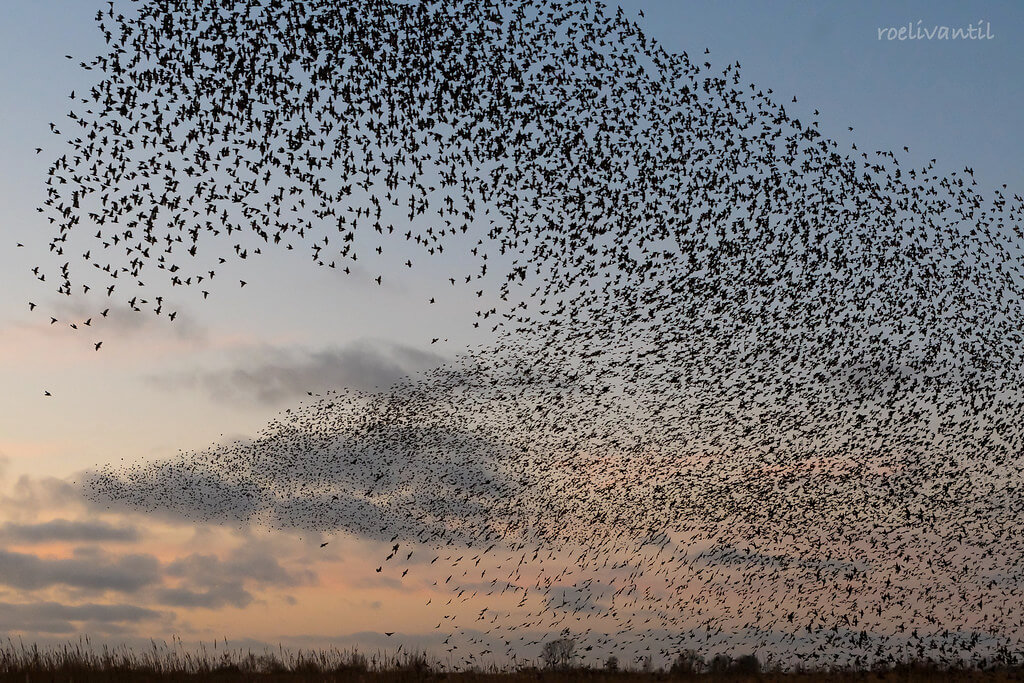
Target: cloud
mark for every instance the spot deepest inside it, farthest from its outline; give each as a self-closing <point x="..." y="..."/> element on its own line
<point x="88" y="571"/>
<point x="53" y="617"/>
<point x="431" y="479"/>
<point x="210" y="582"/>
<point x="68" y="531"/>
<point x="369" y="640"/>
<point x="270" y="375"/>
<point x="229" y="594"/>
<point x="125" y="322"/>
<point x="381" y="581"/>
<point x="242" y="563"/>
<point x="30" y="495"/>
<point x="577" y="600"/>
<point x="729" y="555"/>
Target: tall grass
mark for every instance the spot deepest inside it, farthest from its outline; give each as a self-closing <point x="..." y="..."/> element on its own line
<point x="80" y="662"/>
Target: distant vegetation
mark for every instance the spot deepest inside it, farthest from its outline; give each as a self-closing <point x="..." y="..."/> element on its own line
<point x="80" y="663"/>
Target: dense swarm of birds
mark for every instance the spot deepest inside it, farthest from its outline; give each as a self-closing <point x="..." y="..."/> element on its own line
<point x="747" y="387"/>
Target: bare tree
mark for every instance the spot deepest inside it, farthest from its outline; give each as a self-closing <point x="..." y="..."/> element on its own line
<point x="558" y="654"/>
<point x="687" y="663"/>
<point x="747" y="664"/>
<point x="720" y="663"/>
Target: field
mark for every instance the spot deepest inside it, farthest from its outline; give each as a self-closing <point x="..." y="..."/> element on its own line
<point x="80" y="663"/>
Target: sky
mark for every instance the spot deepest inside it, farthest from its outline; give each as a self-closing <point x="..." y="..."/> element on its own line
<point x="230" y="364"/>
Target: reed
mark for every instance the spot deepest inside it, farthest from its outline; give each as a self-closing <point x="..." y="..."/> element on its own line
<point x="80" y="662"/>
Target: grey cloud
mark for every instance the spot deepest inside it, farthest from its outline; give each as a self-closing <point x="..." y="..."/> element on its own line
<point x="731" y="555"/>
<point x="433" y="642"/>
<point x="272" y="375"/>
<point x="228" y="594"/>
<point x="577" y="600"/>
<point x="53" y="617"/>
<point x="382" y="581"/>
<point x="69" y="531"/>
<point x="127" y="573"/>
<point x="209" y="582"/>
<point x="29" y="495"/>
<point x="378" y="480"/>
<point x="255" y="561"/>
<point x="175" y="491"/>
<point x="243" y="563"/>
<point x="124" y="321"/>
<point x="369" y="640"/>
